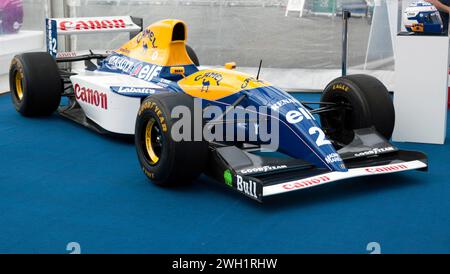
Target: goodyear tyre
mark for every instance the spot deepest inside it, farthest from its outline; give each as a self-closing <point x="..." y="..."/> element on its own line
<point x="190" y="51"/>
<point x="367" y="102"/>
<point x="165" y="159"/>
<point x="35" y="84"/>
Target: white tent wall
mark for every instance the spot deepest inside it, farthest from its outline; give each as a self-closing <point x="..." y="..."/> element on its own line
<point x="304" y="52"/>
<point x="298" y="53"/>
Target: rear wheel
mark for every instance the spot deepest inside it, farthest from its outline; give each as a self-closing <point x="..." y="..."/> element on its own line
<point x="364" y="101"/>
<point x="165" y="160"/>
<point x="35" y="84"/>
<point x="192" y="55"/>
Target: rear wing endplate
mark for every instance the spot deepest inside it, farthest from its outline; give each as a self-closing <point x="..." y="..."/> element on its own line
<point x="87" y="25"/>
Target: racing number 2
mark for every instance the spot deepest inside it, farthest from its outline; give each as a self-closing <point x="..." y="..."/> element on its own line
<point x="321" y="139"/>
<point x="52" y="44"/>
<point x="295" y="116"/>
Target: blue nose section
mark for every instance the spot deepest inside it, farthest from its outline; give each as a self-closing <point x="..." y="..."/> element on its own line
<point x="300" y="135"/>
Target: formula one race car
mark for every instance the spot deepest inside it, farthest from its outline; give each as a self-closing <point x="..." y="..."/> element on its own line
<point x="153" y="82"/>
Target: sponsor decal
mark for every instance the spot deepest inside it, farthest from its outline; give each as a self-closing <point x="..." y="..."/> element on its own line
<point x="335" y="176"/>
<point x="279" y="104"/>
<point x="248" y="188"/>
<point x="137" y="69"/>
<point x="147" y="72"/>
<point x="206" y="79"/>
<point x="341" y="87"/>
<point x="296" y="116"/>
<point x="384" y="169"/>
<point x="148" y="38"/>
<point x="205" y="85"/>
<point x="121" y="63"/>
<point x="163" y="85"/>
<point x="91" y="96"/>
<point x="261" y="169"/>
<point x="153" y="107"/>
<point x="374" y="151"/>
<point x="228" y="178"/>
<point x="248" y="80"/>
<point x="307" y="182"/>
<point x="162" y="80"/>
<point x="52" y="41"/>
<point x="124" y="50"/>
<point x="92" y="24"/>
<point x="151" y="175"/>
<point x="133" y="90"/>
<point x="333" y="158"/>
<point x="66" y="54"/>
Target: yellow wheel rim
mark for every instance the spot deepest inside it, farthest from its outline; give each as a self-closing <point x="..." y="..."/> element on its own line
<point x="150" y="141"/>
<point x="19" y="86"/>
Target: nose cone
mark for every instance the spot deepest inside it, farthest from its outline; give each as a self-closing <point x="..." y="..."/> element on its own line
<point x="300" y="135"/>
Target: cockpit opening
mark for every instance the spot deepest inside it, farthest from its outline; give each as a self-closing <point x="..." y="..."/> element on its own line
<point x="179" y="32"/>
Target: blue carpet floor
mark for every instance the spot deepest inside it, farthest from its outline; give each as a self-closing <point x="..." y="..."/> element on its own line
<point x="62" y="183"/>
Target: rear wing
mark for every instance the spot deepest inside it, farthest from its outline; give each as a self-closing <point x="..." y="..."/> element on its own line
<point x="86" y="25"/>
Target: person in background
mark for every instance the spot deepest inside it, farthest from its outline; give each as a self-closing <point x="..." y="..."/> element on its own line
<point x="444" y="7"/>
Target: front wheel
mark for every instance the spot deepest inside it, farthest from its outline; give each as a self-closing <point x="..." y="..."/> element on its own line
<point x="363" y="102"/>
<point x="165" y="159"/>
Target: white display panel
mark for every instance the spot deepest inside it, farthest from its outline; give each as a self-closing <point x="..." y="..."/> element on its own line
<point x="421" y="89"/>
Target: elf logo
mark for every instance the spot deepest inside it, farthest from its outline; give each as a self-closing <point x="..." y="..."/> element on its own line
<point x="296" y="116"/>
<point x="249" y="188"/>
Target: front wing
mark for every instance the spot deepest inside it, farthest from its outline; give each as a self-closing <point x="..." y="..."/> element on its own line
<point x="329" y="177"/>
<point x="258" y="176"/>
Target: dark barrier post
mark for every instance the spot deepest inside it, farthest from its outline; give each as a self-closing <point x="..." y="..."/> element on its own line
<point x="345" y="15"/>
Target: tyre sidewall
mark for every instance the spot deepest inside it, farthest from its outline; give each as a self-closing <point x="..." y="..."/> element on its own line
<point x="181" y="161"/>
<point x="370" y="100"/>
<point x="361" y="115"/>
<point x="17" y="67"/>
<point x="148" y="110"/>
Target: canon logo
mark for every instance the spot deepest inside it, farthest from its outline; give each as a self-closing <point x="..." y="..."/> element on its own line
<point x="92" y="24"/>
<point x="307" y="182"/>
<point x="91" y="96"/>
<point x="386" y="169"/>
